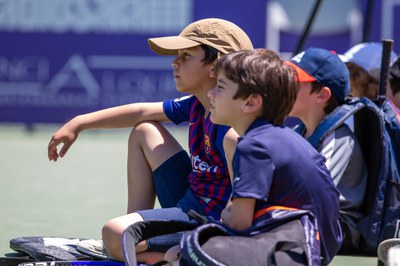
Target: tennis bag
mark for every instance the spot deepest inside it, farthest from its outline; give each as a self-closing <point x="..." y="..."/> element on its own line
<point x="289" y="237"/>
<point x="52" y="251"/>
<point x="49" y="248"/>
<point x="378" y="132"/>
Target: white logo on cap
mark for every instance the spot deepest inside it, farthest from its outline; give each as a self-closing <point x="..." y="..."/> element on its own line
<point x="298" y="57"/>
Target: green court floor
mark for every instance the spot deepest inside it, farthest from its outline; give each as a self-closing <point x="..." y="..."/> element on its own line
<point x="75" y="196"/>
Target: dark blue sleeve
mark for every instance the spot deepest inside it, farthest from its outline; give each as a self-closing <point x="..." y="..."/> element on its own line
<point x="178" y="110"/>
<point x="253" y="170"/>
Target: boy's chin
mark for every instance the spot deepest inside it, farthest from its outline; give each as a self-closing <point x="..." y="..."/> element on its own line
<point x="217" y="121"/>
<point x="213" y="118"/>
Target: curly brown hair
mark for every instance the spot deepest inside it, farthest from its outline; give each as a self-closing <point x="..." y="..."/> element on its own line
<point x="361" y="82"/>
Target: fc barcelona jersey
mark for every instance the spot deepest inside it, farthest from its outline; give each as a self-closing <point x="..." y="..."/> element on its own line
<point x="209" y="178"/>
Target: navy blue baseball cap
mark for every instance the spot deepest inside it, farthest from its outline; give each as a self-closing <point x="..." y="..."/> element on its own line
<point x="325" y="67"/>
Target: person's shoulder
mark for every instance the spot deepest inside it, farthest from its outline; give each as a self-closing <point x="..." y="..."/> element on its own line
<point x="265" y="135"/>
<point x="252" y="138"/>
<point x="344" y="131"/>
<point x="184" y="99"/>
<point x="342" y="143"/>
<point x="271" y="133"/>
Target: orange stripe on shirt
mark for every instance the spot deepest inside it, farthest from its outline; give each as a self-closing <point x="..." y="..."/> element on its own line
<point x="263" y="211"/>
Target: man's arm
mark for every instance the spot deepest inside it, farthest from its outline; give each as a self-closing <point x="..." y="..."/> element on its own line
<point x="239" y="214"/>
<point x="117" y="117"/>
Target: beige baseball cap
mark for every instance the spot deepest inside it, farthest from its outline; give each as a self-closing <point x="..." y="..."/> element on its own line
<point x="220" y="34"/>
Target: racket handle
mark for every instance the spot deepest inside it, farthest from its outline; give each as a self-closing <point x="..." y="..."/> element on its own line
<point x="387" y="45"/>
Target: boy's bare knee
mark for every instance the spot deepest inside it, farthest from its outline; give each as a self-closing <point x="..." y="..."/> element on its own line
<point x="112" y="240"/>
<point x="112" y="233"/>
<point x="144" y="127"/>
<point x="139" y="133"/>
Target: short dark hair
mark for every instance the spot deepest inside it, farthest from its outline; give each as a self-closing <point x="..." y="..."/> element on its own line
<point x="263" y="72"/>
<point x="210" y="54"/>
<point x="333" y="101"/>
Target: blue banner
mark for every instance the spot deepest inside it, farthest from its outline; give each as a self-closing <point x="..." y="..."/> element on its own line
<point x="61" y="58"/>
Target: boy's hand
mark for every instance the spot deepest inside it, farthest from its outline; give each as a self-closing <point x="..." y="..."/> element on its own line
<point x="239" y="215"/>
<point x="66" y="135"/>
<point x="226" y="213"/>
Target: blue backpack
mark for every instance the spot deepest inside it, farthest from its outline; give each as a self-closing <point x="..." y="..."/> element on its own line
<point x="378" y="132"/>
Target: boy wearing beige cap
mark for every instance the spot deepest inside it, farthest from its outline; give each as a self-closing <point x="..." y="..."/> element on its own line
<point x="157" y="164"/>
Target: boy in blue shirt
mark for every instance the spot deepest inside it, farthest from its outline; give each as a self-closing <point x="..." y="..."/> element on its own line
<point x="274" y="168"/>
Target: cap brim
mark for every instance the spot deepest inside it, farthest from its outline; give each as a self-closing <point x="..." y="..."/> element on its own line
<point x="170" y="45"/>
<point x="344" y="58"/>
<point x="301" y="74"/>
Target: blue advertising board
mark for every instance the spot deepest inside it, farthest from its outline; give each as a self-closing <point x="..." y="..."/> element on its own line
<point x="61" y="58"/>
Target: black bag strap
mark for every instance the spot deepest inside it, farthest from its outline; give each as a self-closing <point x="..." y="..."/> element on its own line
<point x="334" y="120"/>
<point x="147" y="229"/>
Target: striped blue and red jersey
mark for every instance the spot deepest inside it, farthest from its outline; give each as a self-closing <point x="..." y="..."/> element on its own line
<point x="209" y="179"/>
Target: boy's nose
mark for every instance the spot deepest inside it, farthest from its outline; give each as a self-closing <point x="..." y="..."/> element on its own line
<point x="174" y="63"/>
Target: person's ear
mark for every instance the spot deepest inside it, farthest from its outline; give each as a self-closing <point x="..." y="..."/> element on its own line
<point x="253" y="103"/>
<point x="324" y="95"/>
<point x="212" y="72"/>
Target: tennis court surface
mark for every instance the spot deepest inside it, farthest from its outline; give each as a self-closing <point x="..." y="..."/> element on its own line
<point x="75" y="196"/>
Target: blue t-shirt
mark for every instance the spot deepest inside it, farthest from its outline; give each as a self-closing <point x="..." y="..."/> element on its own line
<point x="209" y="178"/>
<point x="278" y="167"/>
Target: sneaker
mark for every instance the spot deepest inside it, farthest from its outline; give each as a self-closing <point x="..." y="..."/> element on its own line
<point x="384" y="247"/>
<point x="93" y="248"/>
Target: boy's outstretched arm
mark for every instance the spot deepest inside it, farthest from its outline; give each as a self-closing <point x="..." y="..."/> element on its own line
<point x="239" y="214"/>
<point x="117" y="117"/>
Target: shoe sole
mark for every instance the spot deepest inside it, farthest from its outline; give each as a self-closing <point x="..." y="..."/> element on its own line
<point x="93" y="254"/>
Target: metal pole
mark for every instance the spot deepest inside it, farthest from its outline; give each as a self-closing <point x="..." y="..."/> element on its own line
<point x="367" y="20"/>
<point x="307" y="29"/>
